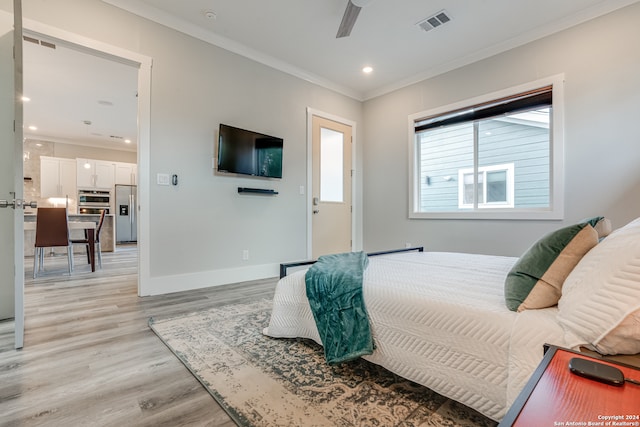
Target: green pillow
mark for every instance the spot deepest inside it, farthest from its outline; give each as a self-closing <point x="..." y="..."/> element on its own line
<point x="535" y="281"/>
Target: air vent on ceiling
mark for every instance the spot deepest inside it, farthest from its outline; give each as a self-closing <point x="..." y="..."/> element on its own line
<point x="47" y="44"/>
<point x="434" y="21"/>
<point x="31" y="39"/>
<point x="40" y="42"/>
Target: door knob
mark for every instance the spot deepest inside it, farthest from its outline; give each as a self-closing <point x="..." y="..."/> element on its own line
<point x="17" y="204"/>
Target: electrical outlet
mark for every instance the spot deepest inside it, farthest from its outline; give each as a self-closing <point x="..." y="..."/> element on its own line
<point x="245" y="254"/>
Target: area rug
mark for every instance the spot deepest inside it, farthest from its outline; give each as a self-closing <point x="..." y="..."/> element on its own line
<point x="262" y="381"/>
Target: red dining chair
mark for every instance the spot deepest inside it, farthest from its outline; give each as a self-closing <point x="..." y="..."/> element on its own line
<point x="52" y="230"/>
<point x="85" y="241"/>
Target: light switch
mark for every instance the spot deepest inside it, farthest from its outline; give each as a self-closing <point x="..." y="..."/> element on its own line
<point x="163" y="179"/>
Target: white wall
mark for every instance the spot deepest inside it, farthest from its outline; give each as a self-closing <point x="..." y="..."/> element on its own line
<point x="199" y="229"/>
<point x="72" y="151"/>
<point x="601" y="63"/>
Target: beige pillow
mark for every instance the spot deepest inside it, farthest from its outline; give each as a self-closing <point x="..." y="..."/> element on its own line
<point x="603" y="227"/>
<point x="600" y="303"/>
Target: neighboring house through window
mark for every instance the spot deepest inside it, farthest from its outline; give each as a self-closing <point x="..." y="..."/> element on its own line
<point x="498" y="156"/>
<point x="495" y="187"/>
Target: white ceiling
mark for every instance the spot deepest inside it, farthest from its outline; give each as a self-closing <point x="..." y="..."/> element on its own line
<point x="79" y="97"/>
<point x="298" y="37"/>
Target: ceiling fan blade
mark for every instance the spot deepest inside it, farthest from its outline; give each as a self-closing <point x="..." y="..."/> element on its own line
<point x="348" y="20"/>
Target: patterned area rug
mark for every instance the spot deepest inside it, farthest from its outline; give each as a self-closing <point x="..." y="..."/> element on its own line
<point x="261" y="381"/>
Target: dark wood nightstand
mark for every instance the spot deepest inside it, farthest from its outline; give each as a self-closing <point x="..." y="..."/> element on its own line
<point x="556" y="397"/>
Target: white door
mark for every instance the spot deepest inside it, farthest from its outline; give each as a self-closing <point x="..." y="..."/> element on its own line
<point x="11" y="181"/>
<point x="331" y="187"/>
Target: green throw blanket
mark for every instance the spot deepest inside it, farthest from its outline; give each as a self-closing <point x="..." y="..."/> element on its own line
<point x="334" y="290"/>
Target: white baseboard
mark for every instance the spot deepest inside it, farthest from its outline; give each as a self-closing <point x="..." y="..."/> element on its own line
<point x="204" y="279"/>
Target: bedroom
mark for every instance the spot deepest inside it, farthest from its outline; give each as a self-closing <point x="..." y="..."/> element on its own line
<point x="600" y="145"/>
<point x="601" y="176"/>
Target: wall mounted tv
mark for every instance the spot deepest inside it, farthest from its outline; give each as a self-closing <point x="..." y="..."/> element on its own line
<point x="249" y="153"/>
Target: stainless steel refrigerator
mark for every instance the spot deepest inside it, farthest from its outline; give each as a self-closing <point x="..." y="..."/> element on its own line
<point x="126" y="218"/>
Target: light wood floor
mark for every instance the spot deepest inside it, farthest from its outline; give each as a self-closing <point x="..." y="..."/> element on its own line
<point x="89" y="358"/>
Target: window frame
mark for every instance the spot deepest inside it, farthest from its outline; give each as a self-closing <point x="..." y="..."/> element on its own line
<point x="507" y="204"/>
<point x="555" y="210"/>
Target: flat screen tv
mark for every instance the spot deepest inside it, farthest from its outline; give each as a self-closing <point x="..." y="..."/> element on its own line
<point x="245" y="152"/>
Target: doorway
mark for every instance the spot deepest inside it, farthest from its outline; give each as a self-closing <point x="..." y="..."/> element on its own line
<point x="331" y="186"/>
<point x="141" y="111"/>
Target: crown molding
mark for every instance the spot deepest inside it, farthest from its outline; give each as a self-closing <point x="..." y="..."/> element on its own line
<point x="161" y="17"/>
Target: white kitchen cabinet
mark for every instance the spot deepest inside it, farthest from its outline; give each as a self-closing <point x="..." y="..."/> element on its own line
<point x="126" y="174"/>
<point x="57" y="177"/>
<point x="95" y="174"/>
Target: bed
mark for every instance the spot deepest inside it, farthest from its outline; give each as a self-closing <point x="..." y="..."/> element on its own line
<point x="440" y="319"/>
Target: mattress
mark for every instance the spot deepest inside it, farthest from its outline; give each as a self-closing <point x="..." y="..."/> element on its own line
<point x="439" y="319"/>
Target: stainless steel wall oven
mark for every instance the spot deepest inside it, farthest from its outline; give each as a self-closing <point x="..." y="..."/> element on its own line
<point x="93" y="201"/>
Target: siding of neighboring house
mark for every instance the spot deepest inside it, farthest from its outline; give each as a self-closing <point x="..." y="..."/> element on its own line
<point x="445" y="151"/>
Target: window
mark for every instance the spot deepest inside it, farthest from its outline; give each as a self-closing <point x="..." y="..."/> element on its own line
<point x="494" y="190"/>
<point x="331" y="165"/>
<point x="497" y="156"/>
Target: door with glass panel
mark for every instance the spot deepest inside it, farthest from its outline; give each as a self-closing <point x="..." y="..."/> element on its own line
<point x="331" y="187"/>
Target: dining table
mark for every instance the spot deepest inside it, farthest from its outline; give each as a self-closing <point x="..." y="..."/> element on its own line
<point x="88" y="226"/>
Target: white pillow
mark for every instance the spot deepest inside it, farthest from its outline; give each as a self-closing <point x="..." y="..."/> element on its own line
<point x="601" y="294"/>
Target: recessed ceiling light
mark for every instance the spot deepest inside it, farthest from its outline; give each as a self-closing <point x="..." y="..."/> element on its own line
<point x="25" y="99"/>
<point x="32" y="127"/>
<point x="128" y="141"/>
<point x="367" y="69"/>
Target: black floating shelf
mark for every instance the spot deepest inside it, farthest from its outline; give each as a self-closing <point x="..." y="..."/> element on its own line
<point x="257" y="191"/>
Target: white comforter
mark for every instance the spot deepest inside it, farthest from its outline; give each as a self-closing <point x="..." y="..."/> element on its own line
<point x="439" y="319"/>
